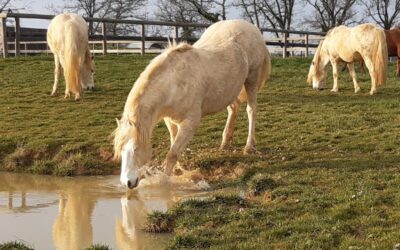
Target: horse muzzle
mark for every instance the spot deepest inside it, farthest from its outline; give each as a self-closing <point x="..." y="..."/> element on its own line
<point x="131" y="184"/>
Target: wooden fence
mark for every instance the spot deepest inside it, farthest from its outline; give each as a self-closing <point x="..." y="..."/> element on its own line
<point x="16" y="40"/>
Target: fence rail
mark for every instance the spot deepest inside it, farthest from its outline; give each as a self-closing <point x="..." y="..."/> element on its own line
<point x="11" y="43"/>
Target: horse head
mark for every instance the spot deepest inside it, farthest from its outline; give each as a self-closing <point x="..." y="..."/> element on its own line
<point x="317" y="73"/>
<point x="87" y="71"/>
<point x="134" y="150"/>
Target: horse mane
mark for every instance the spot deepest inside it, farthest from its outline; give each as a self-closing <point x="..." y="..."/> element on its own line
<point x="131" y="126"/>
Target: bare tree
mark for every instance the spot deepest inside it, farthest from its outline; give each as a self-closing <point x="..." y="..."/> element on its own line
<point x="277" y="13"/>
<point x="179" y="11"/>
<point x="124" y="9"/>
<point x="212" y="10"/>
<point x="330" y="13"/>
<point x="250" y="11"/>
<point x="4" y="4"/>
<point x="384" y="12"/>
<point x="87" y="8"/>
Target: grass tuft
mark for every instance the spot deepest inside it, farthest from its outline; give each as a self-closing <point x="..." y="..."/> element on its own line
<point x="260" y="183"/>
<point x="159" y="222"/>
<point x="99" y="247"/>
<point x="14" y="245"/>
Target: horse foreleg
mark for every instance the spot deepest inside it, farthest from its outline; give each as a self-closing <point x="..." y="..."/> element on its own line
<point x="57" y="74"/>
<point x="186" y="130"/>
<point x="172" y="128"/>
<point x="353" y="76"/>
<point x="227" y="135"/>
<point x="335" y="76"/>
<point x="371" y="70"/>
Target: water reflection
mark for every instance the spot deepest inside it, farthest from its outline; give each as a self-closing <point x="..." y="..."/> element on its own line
<point x="73" y="226"/>
<point x="74" y="213"/>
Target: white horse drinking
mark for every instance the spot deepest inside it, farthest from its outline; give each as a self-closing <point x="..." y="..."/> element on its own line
<point x="227" y="66"/>
<point x="67" y="37"/>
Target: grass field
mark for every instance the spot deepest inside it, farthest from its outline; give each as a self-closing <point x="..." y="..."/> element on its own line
<point x="325" y="175"/>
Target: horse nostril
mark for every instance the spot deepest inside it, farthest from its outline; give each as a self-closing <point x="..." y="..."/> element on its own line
<point x="132" y="184"/>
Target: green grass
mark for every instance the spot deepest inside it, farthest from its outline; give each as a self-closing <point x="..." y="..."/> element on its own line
<point x="14" y="245"/>
<point x="331" y="161"/>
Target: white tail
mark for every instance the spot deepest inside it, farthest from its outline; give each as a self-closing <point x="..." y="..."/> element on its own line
<point x="72" y="61"/>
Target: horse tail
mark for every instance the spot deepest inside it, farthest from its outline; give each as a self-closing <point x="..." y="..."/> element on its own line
<point x="266" y="69"/>
<point x="72" y="60"/>
<point x="380" y="59"/>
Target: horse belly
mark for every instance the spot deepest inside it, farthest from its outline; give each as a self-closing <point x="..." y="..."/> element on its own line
<point x="220" y="98"/>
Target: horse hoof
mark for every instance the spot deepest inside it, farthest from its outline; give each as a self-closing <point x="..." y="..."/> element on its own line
<point x="334" y="90"/>
<point x="223" y="147"/>
<point x="356" y="91"/>
<point x="249" y="150"/>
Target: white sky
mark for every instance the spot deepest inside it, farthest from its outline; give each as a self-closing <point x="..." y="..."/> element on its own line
<point x="41" y="7"/>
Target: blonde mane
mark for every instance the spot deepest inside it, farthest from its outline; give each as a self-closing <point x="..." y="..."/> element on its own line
<point x="131" y="126"/>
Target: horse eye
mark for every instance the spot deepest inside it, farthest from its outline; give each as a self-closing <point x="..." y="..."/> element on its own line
<point x="313" y="63"/>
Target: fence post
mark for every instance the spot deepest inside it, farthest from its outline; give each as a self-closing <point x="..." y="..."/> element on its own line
<point x="176" y="30"/>
<point x="3" y="34"/>
<point x="17" y="36"/>
<point x="307" y="49"/>
<point x="104" y="33"/>
<point x="143" y="41"/>
<point x="284" y="44"/>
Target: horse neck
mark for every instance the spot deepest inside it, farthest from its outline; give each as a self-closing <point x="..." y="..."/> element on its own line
<point x="144" y="121"/>
<point x="322" y="54"/>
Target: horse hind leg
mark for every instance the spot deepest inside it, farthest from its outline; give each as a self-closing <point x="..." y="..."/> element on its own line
<point x="57" y="74"/>
<point x="227" y="135"/>
<point x="251" y="108"/>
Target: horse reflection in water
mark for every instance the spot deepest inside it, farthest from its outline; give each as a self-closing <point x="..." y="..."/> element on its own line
<point x="73" y="227"/>
<point x="129" y="229"/>
<point x="80" y="202"/>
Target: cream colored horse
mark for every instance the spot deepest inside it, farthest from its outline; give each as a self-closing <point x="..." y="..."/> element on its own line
<point x="342" y="44"/>
<point x="67" y="37"/>
<point x="227" y="66"/>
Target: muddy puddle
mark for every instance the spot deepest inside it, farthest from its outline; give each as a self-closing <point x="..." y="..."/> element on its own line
<point x="73" y="213"/>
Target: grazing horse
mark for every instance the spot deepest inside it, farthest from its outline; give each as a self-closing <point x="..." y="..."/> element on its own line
<point x="393" y="45"/>
<point x="227" y="66"/>
<point x="67" y="37"/>
<point x="343" y="44"/>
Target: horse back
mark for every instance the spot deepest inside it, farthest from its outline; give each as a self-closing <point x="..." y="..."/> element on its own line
<point x="243" y="33"/>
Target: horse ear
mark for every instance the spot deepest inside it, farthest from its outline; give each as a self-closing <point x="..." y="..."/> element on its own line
<point x="118" y="122"/>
